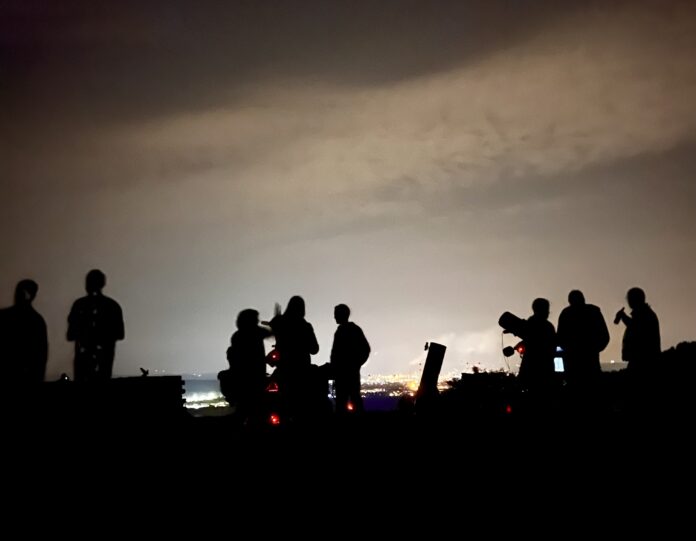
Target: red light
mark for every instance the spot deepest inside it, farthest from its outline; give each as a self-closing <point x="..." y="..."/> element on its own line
<point x="272" y="387"/>
<point x="274" y="419"/>
<point x="508" y="409"/>
<point x="520" y="349"/>
<point x="349" y="406"/>
<point x="273" y="357"/>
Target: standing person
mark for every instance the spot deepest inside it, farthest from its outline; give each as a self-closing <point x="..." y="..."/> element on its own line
<point x="247" y="358"/>
<point x="537" y="367"/>
<point x="641" y="341"/>
<point x="583" y="334"/>
<point x="349" y="352"/>
<point x="641" y="346"/>
<point x="95" y="324"/>
<point x="295" y="344"/>
<point x="23" y="338"/>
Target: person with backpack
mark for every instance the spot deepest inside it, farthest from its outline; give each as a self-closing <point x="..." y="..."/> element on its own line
<point x="349" y="353"/>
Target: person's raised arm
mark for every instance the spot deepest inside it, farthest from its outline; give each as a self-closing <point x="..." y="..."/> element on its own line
<point x="621" y="315"/>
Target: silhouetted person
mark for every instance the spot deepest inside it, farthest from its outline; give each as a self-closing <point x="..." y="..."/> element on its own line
<point x="641" y="340"/>
<point x="23" y="338"/>
<point x="641" y="346"/>
<point x="583" y="334"/>
<point x="349" y="352"/>
<point x="247" y="358"/>
<point x="95" y="324"/>
<point x="295" y="342"/>
<point x="537" y="367"/>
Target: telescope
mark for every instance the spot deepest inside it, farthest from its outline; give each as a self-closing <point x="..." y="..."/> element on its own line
<point x="512" y="324"/>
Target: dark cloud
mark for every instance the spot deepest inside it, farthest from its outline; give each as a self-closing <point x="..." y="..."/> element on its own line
<point x="139" y="59"/>
<point x="629" y="183"/>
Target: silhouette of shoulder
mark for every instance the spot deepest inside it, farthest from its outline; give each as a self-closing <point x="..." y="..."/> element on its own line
<point x="350" y="330"/>
<point x="350" y="344"/>
<point x="312" y="342"/>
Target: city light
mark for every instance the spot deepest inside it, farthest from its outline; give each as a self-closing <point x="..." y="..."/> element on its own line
<point x="373" y="385"/>
<point x="210" y="399"/>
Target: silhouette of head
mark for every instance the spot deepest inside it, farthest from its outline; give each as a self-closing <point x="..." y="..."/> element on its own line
<point x="95" y="281"/>
<point x="635" y="297"/>
<point x="541" y="308"/>
<point x="341" y="313"/>
<point x="247" y="319"/>
<point x="576" y="298"/>
<point x="25" y="292"/>
<point x="296" y="307"/>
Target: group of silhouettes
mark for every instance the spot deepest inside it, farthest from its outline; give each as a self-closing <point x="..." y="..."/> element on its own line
<point x="295" y="342"/>
<point x="581" y="335"/>
<point x="95" y="324"/>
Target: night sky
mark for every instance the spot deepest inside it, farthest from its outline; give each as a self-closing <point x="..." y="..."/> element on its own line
<point x="431" y="164"/>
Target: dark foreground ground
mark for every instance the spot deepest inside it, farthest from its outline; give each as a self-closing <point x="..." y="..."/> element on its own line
<point x="384" y="474"/>
<point x="444" y="441"/>
<point x="465" y="462"/>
